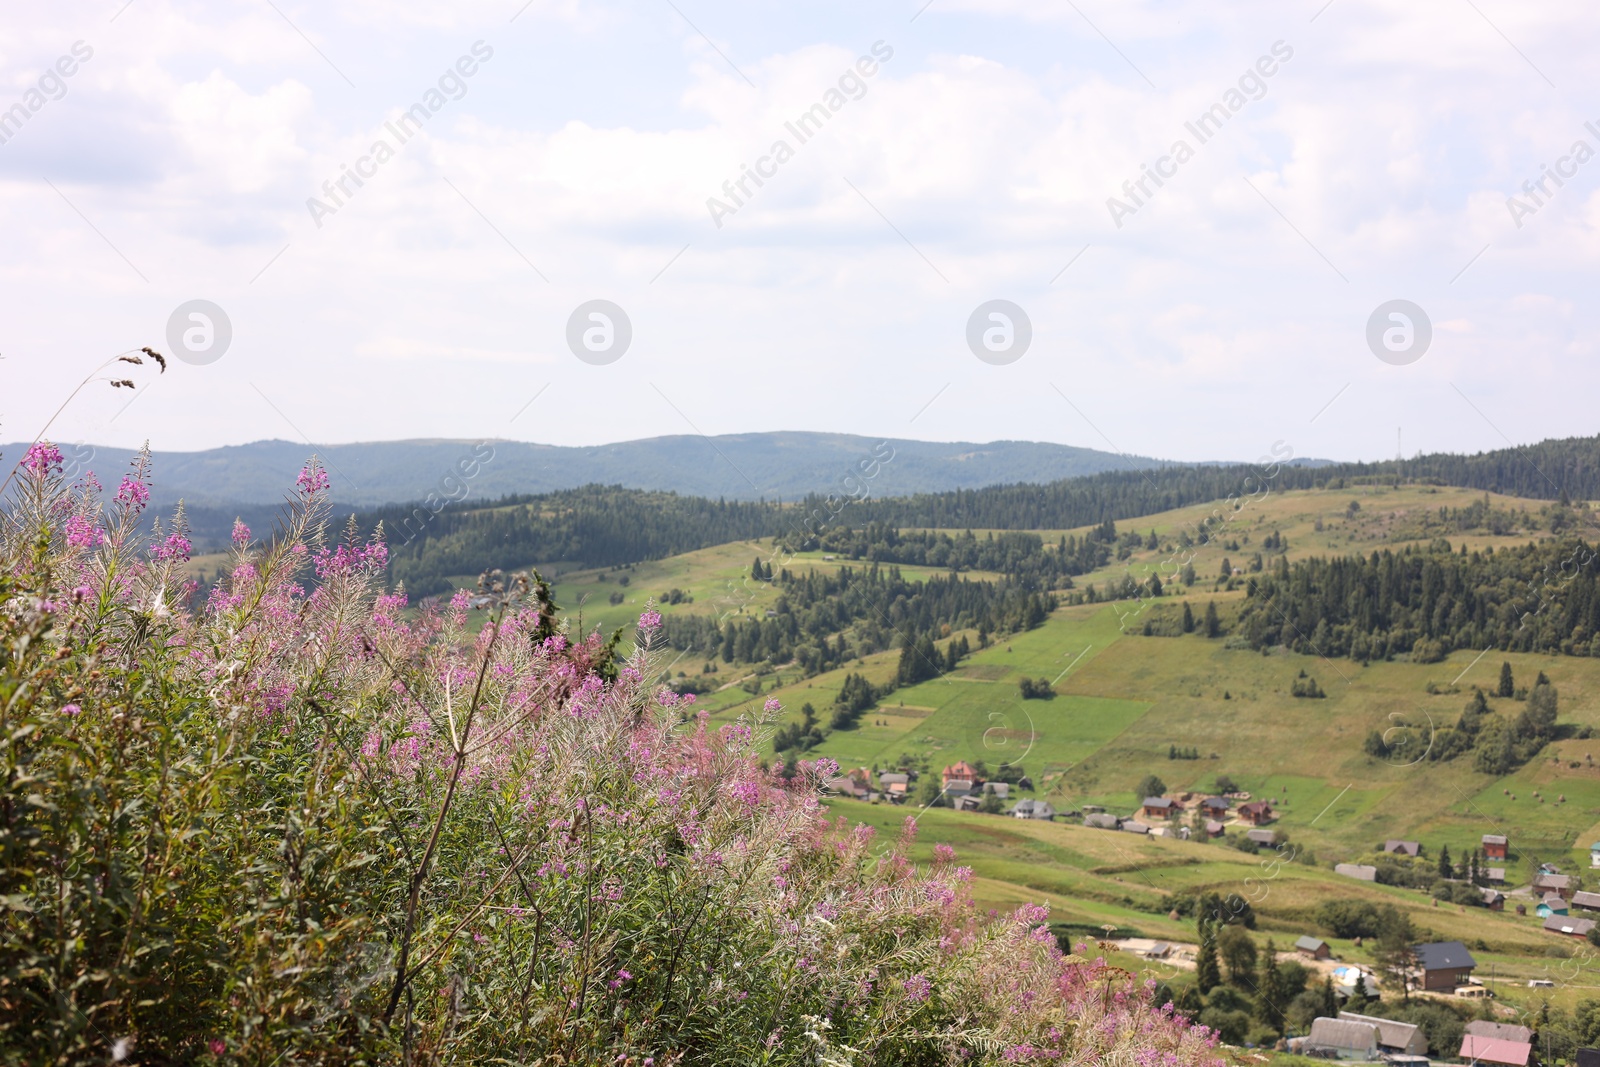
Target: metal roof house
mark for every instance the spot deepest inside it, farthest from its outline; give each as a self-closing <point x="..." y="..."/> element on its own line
<point x="1495" y="846"/>
<point x="1345" y="1039"/>
<point x="1563" y="924"/>
<point x="1363" y="871"/>
<point x="1499" y="1031"/>
<point x="1444" y="965"/>
<point x="1476" y="1049"/>
<point x="1403" y="848"/>
<point x="1552" y="904"/>
<point x="1159" y="808"/>
<point x="1033" y="809"/>
<point x="1586" y="901"/>
<point x="1314" y="947"/>
<point x="1394" y="1037"/>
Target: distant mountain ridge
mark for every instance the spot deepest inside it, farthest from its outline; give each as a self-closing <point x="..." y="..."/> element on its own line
<point x="786" y="464"/>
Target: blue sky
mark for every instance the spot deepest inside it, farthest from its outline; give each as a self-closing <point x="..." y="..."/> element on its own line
<point x="1229" y="311"/>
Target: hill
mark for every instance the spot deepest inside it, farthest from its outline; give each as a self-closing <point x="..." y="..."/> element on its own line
<point x="750" y="466"/>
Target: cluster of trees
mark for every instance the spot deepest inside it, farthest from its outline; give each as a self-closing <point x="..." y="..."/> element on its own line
<point x="1497" y="743"/>
<point x="807" y="624"/>
<point x="1429" y="601"/>
<point x="1022" y="557"/>
<point x="1174" y="752"/>
<point x="856" y="696"/>
<point x="799" y="736"/>
<point x="1307" y="687"/>
<point x="597" y="525"/>
<point x="920" y="658"/>
<point x="1036" y="689"/>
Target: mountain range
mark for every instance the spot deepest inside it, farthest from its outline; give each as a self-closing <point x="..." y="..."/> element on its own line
<point x="782" y="464"/>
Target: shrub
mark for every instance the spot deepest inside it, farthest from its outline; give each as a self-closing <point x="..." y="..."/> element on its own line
<point x="296" y="824"/>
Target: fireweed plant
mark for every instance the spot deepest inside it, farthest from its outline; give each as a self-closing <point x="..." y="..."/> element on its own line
<point x="297" y="823"/>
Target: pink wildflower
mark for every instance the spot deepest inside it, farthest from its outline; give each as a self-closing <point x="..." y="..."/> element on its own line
<point x="918" y="987"/>
<point x="71" y="709"/>
<point x="241" y="534"/>
<point x="42" y="458"/>
<point x="772" y="705"/>
<point x="81" y="533"/>
<point x="313" y="479"/>
<point x="133" y="493"/>
<point x="650" y="620"/>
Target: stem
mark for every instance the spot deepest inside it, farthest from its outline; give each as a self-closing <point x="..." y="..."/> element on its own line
<point x="401" y="979"/>
<point x="87" y="379"/>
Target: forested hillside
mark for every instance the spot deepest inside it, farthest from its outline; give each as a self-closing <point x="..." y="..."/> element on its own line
<point x="603" y="526"/>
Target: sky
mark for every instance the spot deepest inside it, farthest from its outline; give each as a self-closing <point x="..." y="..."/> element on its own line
<point x="1315" y="163"/>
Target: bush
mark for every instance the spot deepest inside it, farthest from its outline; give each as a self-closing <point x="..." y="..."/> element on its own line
<point x="295" y="825"/>
<point x="1348" y="918"/>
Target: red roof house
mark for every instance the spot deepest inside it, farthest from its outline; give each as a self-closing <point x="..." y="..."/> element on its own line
<point x="1476" y="1049"/>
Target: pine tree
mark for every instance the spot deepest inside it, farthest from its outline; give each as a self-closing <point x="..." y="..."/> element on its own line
<point x="1188" y="618"/>
<point x="1213" y="623"/>
<point x="1444" y="861"/>
<point x="1358" y="995"/>
<point x="1508" y="684"/>
<point x="1270" y="992"/>
<point x="1472" y="869"/>
<point x="1330" y="1000"/>
<point x="1208" y="971"/>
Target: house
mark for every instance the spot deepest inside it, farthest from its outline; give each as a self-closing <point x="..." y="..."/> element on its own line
<point x="1163" y="831"/>
<point x="846" y="786"/>
<point x="1546" y="883"/>
<point x="897" y="791"/>
<point x="893" y="778"/>
<point x="999" y="789"/>
<point x="1586" y="901"/>
<point x="961" y="771"/>
<point x="1589" y="1057"/>
<point x="1159" y="808"/>
<point x="1493" y="899"/>
<point x="1552" y="904"/>
<point x="1344" y="1038"/>
<point x="1033" y="809"/>
<point x="1214" y="828"/>
<point x="1134" y="826"/>
<point x="1499" y="1031"/>
<point x="1217" y="807"/>
<point x="1314" y="947"/>
<point x="1365" y="872"/>
<point x="1158" y="951"/>
<point x="1495" y="846"/>
<point x="1102" y="821"/>
<point x="1594" y="854"/>
<point x="1476" y="1049"/>
<point x="1403" y="848"/>
<point x="1495" y="875"/>
<point x="967" y="803"/>
<point x="1444" y="965"/>
<point x="1562" y="924"/>
<point x="1257" y="812"/>
<point x="1261" y="837"/>
<point x="1394" y="1038"/>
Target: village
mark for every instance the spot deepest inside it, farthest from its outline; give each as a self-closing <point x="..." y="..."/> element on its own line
<point x="1441" y="969"/>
